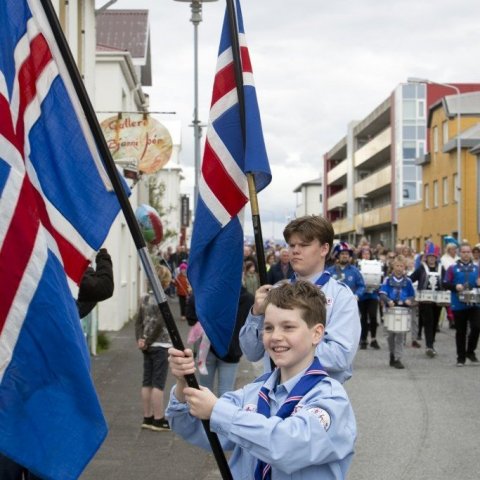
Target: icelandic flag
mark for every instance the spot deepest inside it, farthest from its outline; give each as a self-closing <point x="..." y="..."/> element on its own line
<point x="216" y="254"/>
<point x="57" y="207"/>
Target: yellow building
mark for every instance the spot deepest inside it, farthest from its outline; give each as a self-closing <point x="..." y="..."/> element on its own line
<point x="436" y="215"/>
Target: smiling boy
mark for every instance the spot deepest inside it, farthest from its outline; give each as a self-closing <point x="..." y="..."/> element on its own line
<point x="295" y="422"/>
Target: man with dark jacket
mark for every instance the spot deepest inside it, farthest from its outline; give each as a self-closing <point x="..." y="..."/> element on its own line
<point x="282" y="270"/>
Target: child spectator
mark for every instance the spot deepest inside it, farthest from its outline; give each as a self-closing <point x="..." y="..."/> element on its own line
<point x="183" y="288"/>
<point x="272" y="423"/>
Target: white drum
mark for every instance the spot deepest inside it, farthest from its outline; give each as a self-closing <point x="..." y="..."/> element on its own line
<point x="443" y="297"/>
<point x="397" y="319"/>
<point x="425" y="296"/>
<point x="472" y="297"/>
<point x="371" y="271"/>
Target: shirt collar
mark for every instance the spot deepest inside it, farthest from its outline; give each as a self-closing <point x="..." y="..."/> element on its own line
<point x="288" y="385"/>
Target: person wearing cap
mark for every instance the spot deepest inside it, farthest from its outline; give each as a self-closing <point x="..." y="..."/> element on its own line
<point x="429" y="275"/>
<point x="183" y="288"/>
<point x="462" y="276"/>
<point x="344" y="271"/>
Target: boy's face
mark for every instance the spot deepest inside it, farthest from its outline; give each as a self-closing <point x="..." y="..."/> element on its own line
<point x="306" y="258"/>
<point x="465" y="254"/>
<point x="289" y="341"/>
<point x="398" y="269"/>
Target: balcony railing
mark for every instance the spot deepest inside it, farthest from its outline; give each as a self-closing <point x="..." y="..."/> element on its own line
<point x="374" y="217"/>
<point x="373" y="182"/>
<point x="337" y="172"/>
<point x="337" y="200"/>
<point x="374" y="146"/>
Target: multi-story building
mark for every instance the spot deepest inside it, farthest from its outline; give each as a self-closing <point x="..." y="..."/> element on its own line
<point x="309" y="198"/>
<point x="371" y="172"/>
<point x="437" y="214"/>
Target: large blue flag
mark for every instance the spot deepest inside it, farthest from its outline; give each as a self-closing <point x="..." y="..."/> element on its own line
<point x="216" y="255"/>
<point x="56" y="207"/>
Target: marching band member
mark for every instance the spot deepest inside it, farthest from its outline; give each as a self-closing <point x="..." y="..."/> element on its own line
<point x="429" y="276"/>
<point x="343" y="271"/>
<point x="397" y="290"/>
<point x="462" y="276"/>
<point x="368" y="306"/>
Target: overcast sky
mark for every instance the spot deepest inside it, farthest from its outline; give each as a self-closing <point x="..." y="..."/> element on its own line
<point x="317" y="66"/>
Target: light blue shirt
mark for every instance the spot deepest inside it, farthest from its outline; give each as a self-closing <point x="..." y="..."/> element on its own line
<point x="316" y="442"/>
<point x="338" y="347"/>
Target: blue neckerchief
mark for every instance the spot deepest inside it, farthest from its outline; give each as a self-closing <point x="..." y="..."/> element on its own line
<point x="320" y="282"/>
<point x="397" y="286"/>
<point x="314" y="374"/>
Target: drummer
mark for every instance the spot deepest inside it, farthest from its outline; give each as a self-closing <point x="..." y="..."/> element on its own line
<point x="397" y="290"/>
<point x="345" y="272"/>
<point x="463" y="275"/>
<point x="368" y="306"/>
<point x="429" y="275"/>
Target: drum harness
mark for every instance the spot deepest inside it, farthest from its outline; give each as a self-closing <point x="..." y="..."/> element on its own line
<point x="397" y="287"/>
<point x="432" y="279"/>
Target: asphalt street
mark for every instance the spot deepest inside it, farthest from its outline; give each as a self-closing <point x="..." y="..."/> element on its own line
<point x="419" y="423"/>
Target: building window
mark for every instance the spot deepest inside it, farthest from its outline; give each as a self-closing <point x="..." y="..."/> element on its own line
<point x="426" y="195"/>
<point x="409" y="150"/>
<point x="445" y="190"/>
<point x="435" y="139"/>
<point x="455" y="187"/>
<point x="421" y="108"/>
<point x="421" y="149"/>
<point x="435" y="193"/>
<point x="445" y="132"/>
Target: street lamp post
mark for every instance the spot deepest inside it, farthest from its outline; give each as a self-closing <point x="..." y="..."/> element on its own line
<point x="196" y="18"/>
<point x="459" y="148"/>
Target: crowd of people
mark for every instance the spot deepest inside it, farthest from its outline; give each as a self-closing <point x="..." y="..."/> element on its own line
<point x="304" y="340"/>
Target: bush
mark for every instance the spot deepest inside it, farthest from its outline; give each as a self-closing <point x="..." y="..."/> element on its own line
<point x="103" y="342"/>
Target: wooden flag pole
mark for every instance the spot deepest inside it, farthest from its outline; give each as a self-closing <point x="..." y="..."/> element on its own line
<point x="132" y="223"/>
<point x="237" y="63"/>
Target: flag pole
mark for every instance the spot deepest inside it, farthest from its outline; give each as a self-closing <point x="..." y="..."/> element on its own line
<point x="237" y="63"/>
<point x="132" y="223"/>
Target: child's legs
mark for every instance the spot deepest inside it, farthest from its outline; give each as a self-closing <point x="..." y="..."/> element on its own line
<point x="460" y="317"/>
<point x="227" y="373"/>
<point x="211" y="364"/>
<point x="160" y="370"/>
<point x="427" y="313"/>
<point x="146" y="391"/>
<point x="183" y="303"/>
<point x="395" y="344"/>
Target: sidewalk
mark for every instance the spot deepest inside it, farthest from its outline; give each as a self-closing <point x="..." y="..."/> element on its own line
<point x="420" y="423"/>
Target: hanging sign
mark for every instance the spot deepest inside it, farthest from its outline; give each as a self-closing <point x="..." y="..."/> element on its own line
<point x="138" y="137"/>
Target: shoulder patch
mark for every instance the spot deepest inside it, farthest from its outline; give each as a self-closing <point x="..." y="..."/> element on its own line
<point x="322" y="416"/>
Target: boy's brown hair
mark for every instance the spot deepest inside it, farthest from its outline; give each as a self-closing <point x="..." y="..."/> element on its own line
<point x="302" y="295"/>
<point x="309" y="228"/>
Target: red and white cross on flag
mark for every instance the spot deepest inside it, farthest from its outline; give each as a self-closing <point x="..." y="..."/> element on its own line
<point x="56" y="207"/>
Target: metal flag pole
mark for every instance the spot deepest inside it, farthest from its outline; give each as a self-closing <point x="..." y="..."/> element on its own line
<point x="132" y="223"/>
<point x="237" y="63"/>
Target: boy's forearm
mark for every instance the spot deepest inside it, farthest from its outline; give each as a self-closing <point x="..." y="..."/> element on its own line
<point x="179" y="387"/>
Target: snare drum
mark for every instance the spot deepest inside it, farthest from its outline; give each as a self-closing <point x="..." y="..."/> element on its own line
<point x="425" y="296"/>
<point x="443" y="297"/>
<point x="472" y="297"/>
<point x="397" y="319"/>
<point x="371" y="271"/>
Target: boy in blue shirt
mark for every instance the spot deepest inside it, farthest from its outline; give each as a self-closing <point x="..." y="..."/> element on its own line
<point x="310" y="240"/>
<point x="295" y="422"/>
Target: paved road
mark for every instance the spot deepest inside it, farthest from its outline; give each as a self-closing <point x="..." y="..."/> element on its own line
<point x="419" y="423"/>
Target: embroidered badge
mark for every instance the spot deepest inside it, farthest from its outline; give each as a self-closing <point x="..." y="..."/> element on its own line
<point x="322" y="415"/>
<point x="329" y="300"/>
<point x="250" y="407"/>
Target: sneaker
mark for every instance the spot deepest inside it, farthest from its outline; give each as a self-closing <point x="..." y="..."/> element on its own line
<point x="398" y="364"/>
<point x="160" y="425"/>
<point x="429" y="352"/>
<point x="374" y="344"/>
<point x="147" y="422"/>
<point x="473" y="358"/>
<point x="363" y="345"/>
<point x="460" y="364"/>
<point x="415" y="344"/>
<point x="392" y="360"/>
